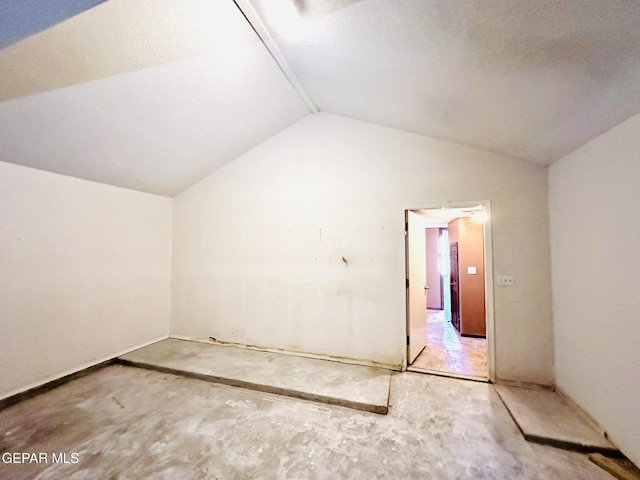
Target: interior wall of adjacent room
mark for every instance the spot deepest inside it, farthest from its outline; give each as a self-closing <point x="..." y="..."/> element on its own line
<point x="471" y="286"/>
<point x="299" y="243"/>
<point x="84" y="273"/>
<point x="434" y="281"/>
<point x="595" y="233"/>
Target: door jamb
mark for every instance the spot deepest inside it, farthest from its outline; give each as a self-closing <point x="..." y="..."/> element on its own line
<point x="488" y="278"/>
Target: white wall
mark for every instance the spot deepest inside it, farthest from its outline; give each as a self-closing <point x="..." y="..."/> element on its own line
<point x="258" y="245"/>
<point x="434" y="280"/>
<point x="594" y="203"/>
<point x="84" y="274"/>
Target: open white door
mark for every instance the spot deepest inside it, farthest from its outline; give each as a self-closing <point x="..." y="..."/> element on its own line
<point x="416" y="291"/>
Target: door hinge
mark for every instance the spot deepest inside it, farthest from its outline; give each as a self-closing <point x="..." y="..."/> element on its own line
<point x="407" y="283"/>
<point x="407" y="339"/>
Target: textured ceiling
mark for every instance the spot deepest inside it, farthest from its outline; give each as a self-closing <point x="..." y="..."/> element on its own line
<point x="530" y="79"/>
<point x="151" y="99"/>
<point x="440" y="217"/>
<point x="120" y="36"/>
<point x="154" y="99"/>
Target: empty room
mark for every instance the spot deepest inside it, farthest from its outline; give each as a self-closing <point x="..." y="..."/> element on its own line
<point x="236" y="239"/>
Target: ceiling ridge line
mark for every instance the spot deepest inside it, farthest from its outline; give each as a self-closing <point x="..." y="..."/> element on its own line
<point x="248" y="12"/>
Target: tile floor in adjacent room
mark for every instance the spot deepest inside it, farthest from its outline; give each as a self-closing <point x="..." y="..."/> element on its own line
<point x="448" y="351"/>
<point x="123" y="422"/>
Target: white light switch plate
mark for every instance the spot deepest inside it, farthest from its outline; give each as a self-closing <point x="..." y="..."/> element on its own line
<point x="471" y="270"/>
<point x="505" y="280"/>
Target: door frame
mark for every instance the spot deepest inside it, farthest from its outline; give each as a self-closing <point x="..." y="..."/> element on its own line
<point x="415" y="348"/>
<point x="454" y="300"/>
<point x="440" y="230"/>
<point x="488" y="277"/>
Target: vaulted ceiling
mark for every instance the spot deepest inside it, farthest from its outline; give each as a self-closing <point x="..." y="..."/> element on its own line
<point x="155" y="98"/>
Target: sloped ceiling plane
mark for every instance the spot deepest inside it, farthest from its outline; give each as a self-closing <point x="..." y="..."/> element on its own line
<point x="155" y="97"/>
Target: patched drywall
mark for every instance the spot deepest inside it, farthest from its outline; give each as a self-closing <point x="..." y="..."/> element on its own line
<point x="27" y="17"/>
<point x="594" y="209"/>
<point x="117" y="37"/>
<point x="84" y="274"/>
<point x="299" y="244"/>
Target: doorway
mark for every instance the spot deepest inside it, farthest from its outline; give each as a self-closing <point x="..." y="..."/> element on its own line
<point x="449" y="311"/>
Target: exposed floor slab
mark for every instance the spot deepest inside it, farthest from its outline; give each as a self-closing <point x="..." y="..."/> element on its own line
<point x="123" y="422"/>
<point x="544" y="417"/>
<point x="354" y="386"/>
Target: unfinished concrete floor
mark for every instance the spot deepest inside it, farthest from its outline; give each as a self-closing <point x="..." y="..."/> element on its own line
<point x="125" y="422"/>
<point x="354" y="386"/>
<point x="544" y="417"/>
